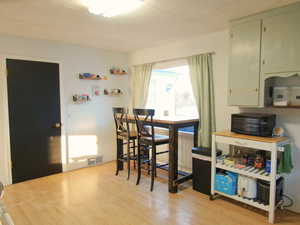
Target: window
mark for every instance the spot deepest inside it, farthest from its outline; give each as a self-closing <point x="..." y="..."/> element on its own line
<point x="170" y="92"/>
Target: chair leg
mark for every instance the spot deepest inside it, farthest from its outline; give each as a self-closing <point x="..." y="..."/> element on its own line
<point x="153" y="167"/>
<point x="128" y="158"/>
<point x="134" y="154"/>
<point x="138" y="164"/>
<point x="117" y="171"/>
<point x="148" y="157"/>
<point x="117" y="162"/>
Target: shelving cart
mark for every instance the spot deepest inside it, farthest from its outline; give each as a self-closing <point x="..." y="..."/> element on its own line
<point x="272" y="145"/>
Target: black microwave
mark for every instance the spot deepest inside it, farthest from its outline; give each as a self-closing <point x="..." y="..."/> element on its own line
<point x="255" y="124"/>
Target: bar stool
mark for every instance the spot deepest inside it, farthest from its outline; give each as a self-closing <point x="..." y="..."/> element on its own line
<point x="147" y="142"/>
<point x="123" y="132"/>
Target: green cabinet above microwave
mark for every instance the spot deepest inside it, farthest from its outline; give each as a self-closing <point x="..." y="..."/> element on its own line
<point x="244" y="66"/>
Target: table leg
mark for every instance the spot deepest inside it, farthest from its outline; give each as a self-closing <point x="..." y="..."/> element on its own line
<point x="213" y="166"/>
<point x="196" y="127"/>
<point x="173" y="158"/>
<point x="272" y="200"/>
<point x="119" y="154"/>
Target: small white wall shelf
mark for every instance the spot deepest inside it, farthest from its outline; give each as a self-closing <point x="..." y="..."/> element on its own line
<point x="90" y="76"/>
<point x="118" y="71"/>
<point x="113" y="92"/>
<point x="81" y="98"/>
<point x="280" y="80"/>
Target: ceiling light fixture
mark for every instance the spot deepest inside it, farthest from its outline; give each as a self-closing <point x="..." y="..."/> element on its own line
<point x="110" y="8"/>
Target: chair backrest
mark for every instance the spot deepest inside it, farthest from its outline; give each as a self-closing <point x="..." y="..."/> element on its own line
<point x="121" y="120"/>
<point x="144" y="122"/>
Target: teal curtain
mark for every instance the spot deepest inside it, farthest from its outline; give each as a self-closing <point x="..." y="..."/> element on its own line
<point x="201" y="74"/>
<point x="140" y="81"/>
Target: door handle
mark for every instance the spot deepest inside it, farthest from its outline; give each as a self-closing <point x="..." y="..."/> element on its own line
<point x="57" y="125"/>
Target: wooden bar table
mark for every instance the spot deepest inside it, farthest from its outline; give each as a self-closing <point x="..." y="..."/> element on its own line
<point x="173" y="124"/>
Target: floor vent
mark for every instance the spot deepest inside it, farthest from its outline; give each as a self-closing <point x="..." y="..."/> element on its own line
<point x="95" y="160"/>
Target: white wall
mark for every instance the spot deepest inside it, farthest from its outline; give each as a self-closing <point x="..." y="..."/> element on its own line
<point x="94" y="118"/>
<point x="219" y="43"/>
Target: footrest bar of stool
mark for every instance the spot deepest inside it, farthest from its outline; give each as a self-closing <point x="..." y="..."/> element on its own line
<point x="146" y="161"/>
<point x="183" y="179"/>
<point x="163" y="152"/>
<point x="161" y="165"/>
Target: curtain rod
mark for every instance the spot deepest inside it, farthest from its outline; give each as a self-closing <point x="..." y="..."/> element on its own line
<point x="175" y="59"/>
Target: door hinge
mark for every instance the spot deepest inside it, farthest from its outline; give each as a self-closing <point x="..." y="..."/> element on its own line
<point x="265" y="29"/>
<point x="264" y="62"/>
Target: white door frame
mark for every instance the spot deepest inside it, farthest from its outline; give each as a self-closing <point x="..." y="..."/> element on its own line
<point x="4" y="115"/>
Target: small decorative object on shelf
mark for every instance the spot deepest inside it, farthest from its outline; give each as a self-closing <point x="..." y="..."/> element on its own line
<point x="113" y="92"/>
<point x="278" y="132"/>
<point x="118" y="71"/>
<point x="91" y="76"/>
<point x="259" y="161"/>
<point x="79" y="99"/>
<point x="96" y="91"/>
<point x="106" y="92"/>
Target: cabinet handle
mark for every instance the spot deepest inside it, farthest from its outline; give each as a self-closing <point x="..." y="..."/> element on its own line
<point x="264" y="62"/>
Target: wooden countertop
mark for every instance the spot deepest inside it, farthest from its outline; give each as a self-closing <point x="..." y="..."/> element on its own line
<point x="252" y="138"/>
<point x="170" y="119"/>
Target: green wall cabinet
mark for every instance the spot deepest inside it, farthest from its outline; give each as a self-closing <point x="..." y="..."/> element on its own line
<point x="262" y="46"/>
<point x="281" y="44"/>
<point x="245" y="64"/>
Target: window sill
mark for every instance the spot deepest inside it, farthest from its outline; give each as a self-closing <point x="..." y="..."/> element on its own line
<point x="186" y="133"/>
<point x="165" y="131"/>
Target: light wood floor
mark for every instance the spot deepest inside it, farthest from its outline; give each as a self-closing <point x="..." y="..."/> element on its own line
<point x="95" y="196"/>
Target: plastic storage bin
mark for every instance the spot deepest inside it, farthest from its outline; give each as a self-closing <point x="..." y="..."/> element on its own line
<point x="263" y="191"/>
<point x="226" y="183"/>
<point x="281" y="96"/>
<point x="295" y="96"/>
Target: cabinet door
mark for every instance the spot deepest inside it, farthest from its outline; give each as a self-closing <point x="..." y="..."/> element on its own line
<point x="281" y="43"/>
<point x="244" y="67"/>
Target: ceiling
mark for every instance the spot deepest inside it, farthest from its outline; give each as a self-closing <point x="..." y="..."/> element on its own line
<point x="155" y="23"/>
